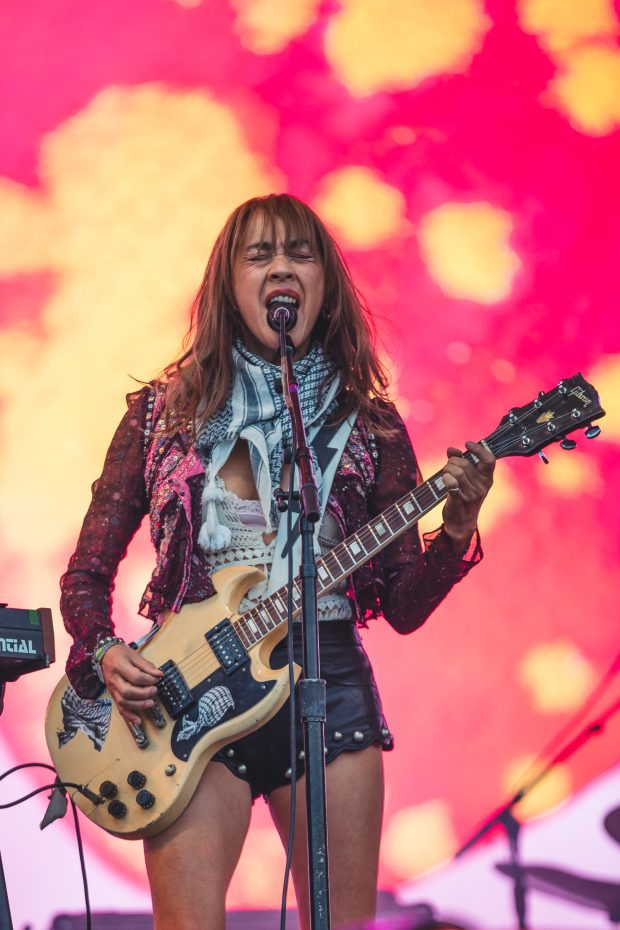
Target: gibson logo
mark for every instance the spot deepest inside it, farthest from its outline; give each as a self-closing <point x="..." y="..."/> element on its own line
<point x="581" y="394"/>
<point x="17" y="646"/>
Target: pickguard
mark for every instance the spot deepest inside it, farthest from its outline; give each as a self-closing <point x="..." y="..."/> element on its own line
<point x="218" y="698"/>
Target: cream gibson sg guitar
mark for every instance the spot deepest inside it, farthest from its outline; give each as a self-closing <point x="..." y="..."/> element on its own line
<point x="217" y="683"/>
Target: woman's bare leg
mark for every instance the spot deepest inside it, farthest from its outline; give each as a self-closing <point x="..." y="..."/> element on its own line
<point x="191" y="863"/>
<point x="354" y="789"/>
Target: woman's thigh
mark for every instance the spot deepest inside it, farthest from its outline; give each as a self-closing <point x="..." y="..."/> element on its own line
<point x="191" y="863"/>
<point x="354" y="789"/>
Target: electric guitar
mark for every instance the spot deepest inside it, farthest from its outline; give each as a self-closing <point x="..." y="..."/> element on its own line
<point x="217" y="684"/>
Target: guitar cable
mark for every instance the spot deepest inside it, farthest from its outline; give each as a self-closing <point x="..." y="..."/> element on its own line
<point x="78" y="834"/>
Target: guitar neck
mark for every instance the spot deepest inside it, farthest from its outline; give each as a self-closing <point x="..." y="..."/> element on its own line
<point x="344" y="558"/>
<point x="523" y="431"/>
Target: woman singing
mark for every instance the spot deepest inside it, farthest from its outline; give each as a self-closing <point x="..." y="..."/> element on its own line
<point x="201" y="451"/>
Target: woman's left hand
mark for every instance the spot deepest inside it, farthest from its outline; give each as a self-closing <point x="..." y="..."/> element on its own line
<point x="468" y="484"/>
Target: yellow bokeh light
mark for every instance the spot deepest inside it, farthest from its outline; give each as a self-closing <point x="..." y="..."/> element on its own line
<point x="466" y="250"/>
<point x="134" y="190"/>
<point x="418" y="839"/>
<point x="572" y="475"/>
<point x="587" y="88"/>
<point x="392" y="44"/>
<point x="26" y="230"/>
<point x="548" y="794"/>
<point x="361" y="209"/>
<point x="580" y="39"/>
<point x="557" y="676"/>
<point x="267" y="26"/>
<point x="559" y="23"/>
<point x="503" y="370"/>
<point x="605" y="376"/>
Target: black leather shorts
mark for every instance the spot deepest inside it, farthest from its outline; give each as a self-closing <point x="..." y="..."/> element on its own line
<point x="354" y="714"/>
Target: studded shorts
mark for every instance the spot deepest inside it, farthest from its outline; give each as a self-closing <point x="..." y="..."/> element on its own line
<point x="354" y="714"/>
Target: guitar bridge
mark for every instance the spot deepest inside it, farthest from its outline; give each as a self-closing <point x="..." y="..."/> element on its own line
<point x="173" y="691"/>
<point x="228" y="648"/>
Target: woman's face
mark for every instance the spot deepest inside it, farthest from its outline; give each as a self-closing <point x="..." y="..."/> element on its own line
<point x="265" y="270"/>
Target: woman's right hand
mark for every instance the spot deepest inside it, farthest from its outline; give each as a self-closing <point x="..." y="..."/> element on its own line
<point x="131" y="680"/>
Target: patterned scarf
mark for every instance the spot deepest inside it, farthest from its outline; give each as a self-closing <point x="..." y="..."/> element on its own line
<point x="255" y="412"/>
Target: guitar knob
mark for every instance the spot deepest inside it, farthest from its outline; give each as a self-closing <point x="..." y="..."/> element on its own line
<point x="568" y="444"/>
<point x="107" y="789"/>
<point x="117" y="809"/>
<point x="145" y="799"/>
<point x="136" y="779"/>
<point x="592" y="432"/>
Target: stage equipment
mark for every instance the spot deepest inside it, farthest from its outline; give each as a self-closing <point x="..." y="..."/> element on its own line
<point x="525" y="877"/>
<point x="589" y="892"/>
<point x="26" y="641"/>
<point x="26" y="645"/>
<point x="312" y="688"/>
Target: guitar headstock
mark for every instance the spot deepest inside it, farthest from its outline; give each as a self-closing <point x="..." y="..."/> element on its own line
<point x="526" y="430"/>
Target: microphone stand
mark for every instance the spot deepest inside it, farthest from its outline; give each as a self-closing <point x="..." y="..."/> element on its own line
<point x="505" y="817"/>
<point x="311" y="686"/>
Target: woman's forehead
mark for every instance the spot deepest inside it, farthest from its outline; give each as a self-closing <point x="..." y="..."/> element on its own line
<point x="275" y="230"/>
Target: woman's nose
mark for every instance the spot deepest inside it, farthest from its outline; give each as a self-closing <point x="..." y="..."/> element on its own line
<point x="281" y="268"/>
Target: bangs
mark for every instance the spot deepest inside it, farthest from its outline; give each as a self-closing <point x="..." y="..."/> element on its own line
<point x="299" y="222"/>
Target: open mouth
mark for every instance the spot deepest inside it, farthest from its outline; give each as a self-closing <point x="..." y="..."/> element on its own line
<point x="280" y="299"/>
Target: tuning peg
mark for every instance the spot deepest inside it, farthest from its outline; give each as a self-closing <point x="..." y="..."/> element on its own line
<point x="543" y="457"/>
<point x="568" y="444"/>
<point x="593" y="431"/>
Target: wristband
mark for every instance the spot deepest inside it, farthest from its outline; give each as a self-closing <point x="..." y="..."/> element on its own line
<point x="105" y="643"/>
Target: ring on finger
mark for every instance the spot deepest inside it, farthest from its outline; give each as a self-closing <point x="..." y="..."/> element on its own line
<point x="455" y="490"/>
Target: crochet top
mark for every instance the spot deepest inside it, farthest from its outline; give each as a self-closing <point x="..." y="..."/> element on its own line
<point x="246" y="522"/>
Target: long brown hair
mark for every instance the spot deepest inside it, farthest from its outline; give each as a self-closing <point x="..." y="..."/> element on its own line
<point x="200" y="380"/>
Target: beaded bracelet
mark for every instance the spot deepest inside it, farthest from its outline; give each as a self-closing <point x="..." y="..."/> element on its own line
<point x="105" y="643"/>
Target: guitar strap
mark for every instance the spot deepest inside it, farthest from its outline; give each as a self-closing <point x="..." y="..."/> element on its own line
<point x="328" y="442"/>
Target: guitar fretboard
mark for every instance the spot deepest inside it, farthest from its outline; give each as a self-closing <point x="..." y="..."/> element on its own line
<point x="344" y="559"/>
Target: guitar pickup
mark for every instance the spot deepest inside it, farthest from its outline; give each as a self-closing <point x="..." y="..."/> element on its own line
<point x="228" y="648"/>
<point x="173" y="691"/>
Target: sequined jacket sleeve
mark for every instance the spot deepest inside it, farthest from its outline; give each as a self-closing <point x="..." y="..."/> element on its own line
<point x="411" y="580"/>
<point x="116" y="510"/>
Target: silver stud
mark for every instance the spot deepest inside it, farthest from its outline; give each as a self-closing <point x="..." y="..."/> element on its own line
<point x="242" y="769"/>
<point x="288" y="773"/>
<point x="230" y="753"/>
<point x="358" y="736"/>
<point x="384" y="732"/>
<point x="170" y="769"/>
<point x="337" y="735"/>
<point x="301" y="755"/>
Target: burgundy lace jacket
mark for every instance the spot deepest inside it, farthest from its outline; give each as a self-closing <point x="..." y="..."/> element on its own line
<point x="147" y="471"/>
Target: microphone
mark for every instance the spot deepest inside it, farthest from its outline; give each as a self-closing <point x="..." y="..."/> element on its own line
<point x="278" y="311"/>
